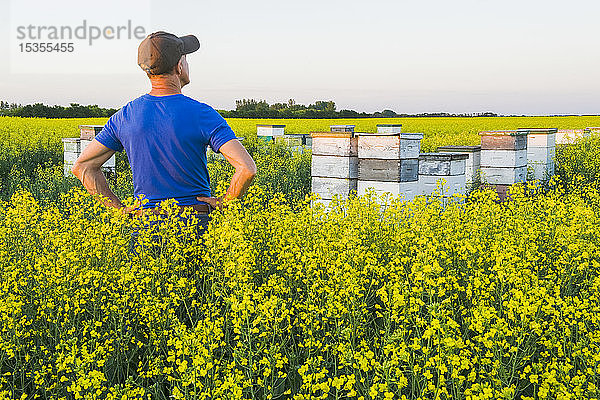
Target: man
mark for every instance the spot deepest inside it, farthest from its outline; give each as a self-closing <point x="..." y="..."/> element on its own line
<point x="165" y="134"/>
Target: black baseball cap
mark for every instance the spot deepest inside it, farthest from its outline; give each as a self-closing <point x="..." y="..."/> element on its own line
<point x="160" y="51"/>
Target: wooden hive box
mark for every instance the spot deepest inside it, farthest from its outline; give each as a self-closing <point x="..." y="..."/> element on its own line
<point x="445" y="186"/>
<point x="270" y="130"/>
<point x="334" y="166"/>
<point x="504" y="158"/>
<point x="408" y="190"/>
<point x="343" y="144"/>
<point x="503" y="176"/>
<point x="328" y="188"/>
<point x="394" y="146"/>
<point x="73" y="147"/>
<point x="290" y="140"/>
<point x="88" y="132"/>
<point x="472" y="164"/>
<point x="566" y="136"/>
<point x="503" y="140"/>
<point x="537" y="137"/>
<point x="389" y="128"/>
<point x="442" y="164"/>
<point x="341" y="128"/>
<point x="404" y="170"/>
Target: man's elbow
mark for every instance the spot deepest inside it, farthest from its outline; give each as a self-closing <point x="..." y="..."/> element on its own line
<point x="250" y="171"/>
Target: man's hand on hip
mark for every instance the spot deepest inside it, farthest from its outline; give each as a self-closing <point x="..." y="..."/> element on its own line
<point x="215" y="202"/>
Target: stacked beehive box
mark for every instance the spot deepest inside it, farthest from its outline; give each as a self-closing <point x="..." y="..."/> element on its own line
<point x="296" y="141"/>
<point x="73" y="147"/>
<point x="389" y="128"/>
<point x="566" y="136"/>
<point x="442" y="173"/>
<point x="472" y="163"/>
<point x="334" y="167"/>
<point x="503" y="159"/>
<point x="269" y="132"/>
<point x="389" y="163"/>
<point x="541" y="150"/>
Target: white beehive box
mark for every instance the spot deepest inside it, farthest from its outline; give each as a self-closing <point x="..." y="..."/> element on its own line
<point x="540" y="162"/>
<point x="538" y="137"/>
<point x="504" y="158"/>
<point x="445" y="186"/>
<point x="73" y="147"/>
<point x="328" y="188"/>
<point x="334" y="166"/>
<point x="566" y="136"/>
<point x="503" y="176"/>
<point x="408" y="190"/>
<point x="472" y="164"/>
<point x="342" y="128"/>
<point x="334" y="144"/>
<point x="270" y="130"/>
<point x="389" y="146"/>
<point x="442" y="164"/>
<point x="389" y="128"/>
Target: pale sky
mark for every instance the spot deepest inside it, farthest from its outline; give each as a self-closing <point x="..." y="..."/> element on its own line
<point x="509" y="57"/>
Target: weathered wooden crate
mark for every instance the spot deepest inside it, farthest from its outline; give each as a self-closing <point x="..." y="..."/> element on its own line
<point x="342" y="128"/>
<point x="445" y="186"/>
<point x="88" y="132"/>
<point x="334" y="166"/>
<point x="540" y="163"/>
<point x="540" y="171"/>
<point x="503" y="140"/>
<point x="334" y="144"/>
<point x="442" y="164"/>
<point x="404" y="170"/>
<point x="538" y="137"/>
<point x="504" y="158"/>
<point x="71" y="145"/>
<point x="389" y="146"/>
<point x="270" y="130"/>
<point x="503" y="176"/>
<point x="408" y="190"/>
<point x="328" y="188"/>
<point x="389" y="128"/>
<point x="472" y="164"/>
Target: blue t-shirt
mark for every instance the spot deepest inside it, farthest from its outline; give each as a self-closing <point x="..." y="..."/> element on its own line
<point x="165" y="139"/>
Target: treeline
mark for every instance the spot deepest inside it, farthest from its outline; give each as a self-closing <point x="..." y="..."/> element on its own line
<point x="251" y="108"/>
<point x="40" y="110"/>
<point x="246" y="108"/>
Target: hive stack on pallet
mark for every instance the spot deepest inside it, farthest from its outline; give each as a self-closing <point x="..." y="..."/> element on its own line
<point x="73" y="147"/>
<point x="269" y="132"/>
<point x="334" y="167"/>
<point x="389" y="163"/>
<point x="435" y="168"/>
<point x="541" y="150"/>
<point x="472" y="163"/>
<point x="503" y="159"/>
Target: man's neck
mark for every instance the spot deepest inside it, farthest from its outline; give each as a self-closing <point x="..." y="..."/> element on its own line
<point x="164" y="86"/>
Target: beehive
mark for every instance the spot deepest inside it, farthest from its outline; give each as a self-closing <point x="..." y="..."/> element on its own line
<point x="392" y="146"/>
<point x="472" y="163"/>
<point x="504" y="157"/>
<point x="341" y="128"/>
<point x="443" y="173"/>
<point x="269" y="132"/>
<point x="89" y="132"/>
<point x="407" y="190"/>
<point x="334" y="167"/>
<point x="389" y="128"/>
<point x="567" y="136"/>
<point x="541" y="149"/>
<point x="72" y="149"/>
<point x="403" y="170"/>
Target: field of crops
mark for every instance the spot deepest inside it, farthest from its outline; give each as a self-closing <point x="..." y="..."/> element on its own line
<point x="278" y="300"/>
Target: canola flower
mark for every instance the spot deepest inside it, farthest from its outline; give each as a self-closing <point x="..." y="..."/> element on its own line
<point x="478" y="301"/>
<point x="281" y="300"/>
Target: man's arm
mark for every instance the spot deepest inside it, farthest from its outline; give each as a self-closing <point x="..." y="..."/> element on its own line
<point x="87" y="169"/>
<point x="245" y="171"/>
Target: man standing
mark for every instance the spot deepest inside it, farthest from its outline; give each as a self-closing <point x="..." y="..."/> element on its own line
<point x="165" y="135"/>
